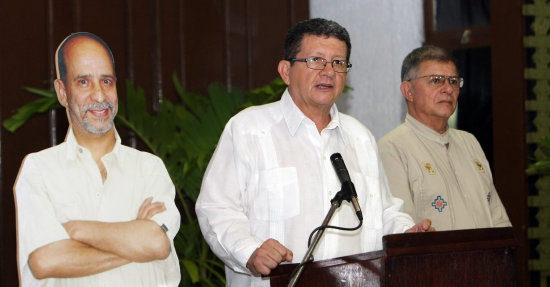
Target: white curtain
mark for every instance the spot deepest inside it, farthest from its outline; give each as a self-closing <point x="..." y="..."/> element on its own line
<point x="382" y="33"/>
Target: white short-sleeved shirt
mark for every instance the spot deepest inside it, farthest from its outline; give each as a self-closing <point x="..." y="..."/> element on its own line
<point x="63" y="183"/>
<point x="271" y="177"/>
<point x="443" y="177"/>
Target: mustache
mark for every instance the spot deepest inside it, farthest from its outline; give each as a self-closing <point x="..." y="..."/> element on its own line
<point x="98" y="106"/>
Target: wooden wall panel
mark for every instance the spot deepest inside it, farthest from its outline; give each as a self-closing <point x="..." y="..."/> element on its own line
<point x="510" y="119"/>
<point x="266" y="25"/>
<point x="235" y="42"/>
<point x="23" y="63"/>
<point x="204" y="44"/>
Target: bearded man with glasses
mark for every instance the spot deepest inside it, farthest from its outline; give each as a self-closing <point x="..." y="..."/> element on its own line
<point x="441" y="173"/>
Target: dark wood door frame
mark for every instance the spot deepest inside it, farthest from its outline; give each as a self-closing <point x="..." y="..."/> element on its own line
<point x="505" y="38"/>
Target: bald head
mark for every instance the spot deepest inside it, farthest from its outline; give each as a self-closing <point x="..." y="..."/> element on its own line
<point x="60" y="55"/>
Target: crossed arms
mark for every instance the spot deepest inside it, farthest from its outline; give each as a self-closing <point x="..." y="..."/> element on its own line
<point x="95" y="247"/>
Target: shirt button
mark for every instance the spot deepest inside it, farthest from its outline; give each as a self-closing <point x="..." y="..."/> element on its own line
<point x="80" y="150"/>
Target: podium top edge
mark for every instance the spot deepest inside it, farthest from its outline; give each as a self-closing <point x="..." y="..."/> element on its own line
<point x="451" y="237"/>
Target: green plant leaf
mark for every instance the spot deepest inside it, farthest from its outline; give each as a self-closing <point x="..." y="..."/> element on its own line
<point x="41" y="92"/>
<point x="24" y="113"/>
<point x="224" y="103"/>
<point x="540" y="167"/>
<point x="191" y="269"/>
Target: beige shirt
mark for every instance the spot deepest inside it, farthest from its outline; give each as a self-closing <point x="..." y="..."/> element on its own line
<point x="63" y="183"/>
<point x="452" y="185"/>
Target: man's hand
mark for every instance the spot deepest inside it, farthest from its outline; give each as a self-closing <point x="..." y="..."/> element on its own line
<point x="149" y="208"/>
<point x="422" y="226"/>
<point x="267" y="257"/>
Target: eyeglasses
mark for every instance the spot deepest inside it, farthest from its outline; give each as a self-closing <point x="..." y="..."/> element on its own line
<point x="438" y="81"/>
<point x="318" y="63"/>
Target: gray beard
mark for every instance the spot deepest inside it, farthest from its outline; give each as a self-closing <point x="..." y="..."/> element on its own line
<point x="89" y="127"/>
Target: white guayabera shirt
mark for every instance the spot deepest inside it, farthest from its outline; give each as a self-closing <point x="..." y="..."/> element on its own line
<point x="63" y="183"/>
<point x="271" y="177"/>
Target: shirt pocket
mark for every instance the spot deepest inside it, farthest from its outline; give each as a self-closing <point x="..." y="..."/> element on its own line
<point x="278" y="195"/>
<point x="369" y="202"/>
<point x="430" y="197"/>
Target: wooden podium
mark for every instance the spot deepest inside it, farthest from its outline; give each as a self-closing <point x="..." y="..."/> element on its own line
<point x="473" y="257"/>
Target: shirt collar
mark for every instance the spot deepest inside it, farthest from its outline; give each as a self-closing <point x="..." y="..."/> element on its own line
<point x="426" y="131"/>
<point x="294" y="116"/>
<point x="73" y="148"/>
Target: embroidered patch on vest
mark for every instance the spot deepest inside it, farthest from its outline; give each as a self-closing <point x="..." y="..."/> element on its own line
<point x="439" y="203"/>
<point x="479" y="165"/>
<point x="429" y="169"/>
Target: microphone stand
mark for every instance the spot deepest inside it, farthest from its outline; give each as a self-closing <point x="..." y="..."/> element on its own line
<point x="334" y="204"/>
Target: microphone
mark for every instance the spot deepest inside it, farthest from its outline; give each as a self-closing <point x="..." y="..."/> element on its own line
<point x="347" y="185"/>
